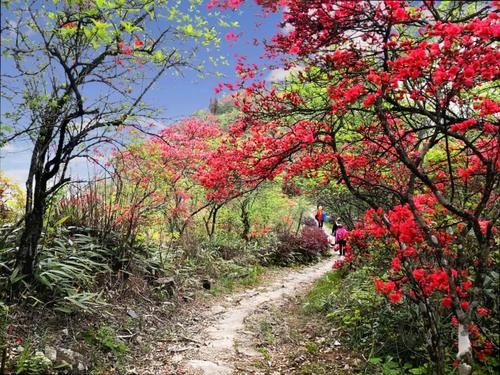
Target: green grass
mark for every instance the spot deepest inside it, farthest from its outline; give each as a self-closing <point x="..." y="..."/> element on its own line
<point x="317" y="298"/>
<point x="243" y="276"/>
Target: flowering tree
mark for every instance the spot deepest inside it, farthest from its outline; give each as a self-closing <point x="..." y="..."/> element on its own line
<point x="164" y="173"/>
<point x="75" y="72"/>
<point x="394" y="99"/>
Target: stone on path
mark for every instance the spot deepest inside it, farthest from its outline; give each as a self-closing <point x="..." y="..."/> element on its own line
<point x="208" y="368"/>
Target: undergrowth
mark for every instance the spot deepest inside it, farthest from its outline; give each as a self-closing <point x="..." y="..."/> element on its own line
<point x="385" y="334"/>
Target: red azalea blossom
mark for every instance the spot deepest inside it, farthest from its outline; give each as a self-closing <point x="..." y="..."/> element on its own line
<point x="466" y="285"/>
<point x="231" y="36"/>
<point x="395" y="296"/>
<point x="124" y="48"/>
<point x="138" y="43"/>
<point x="446" y="302"/>
<point x="384" y="287"/>
<point x="483" y="311"/>
<point x="396" y="264"/>
<point x="418" y="274"/>
<point x="400" y="114"/>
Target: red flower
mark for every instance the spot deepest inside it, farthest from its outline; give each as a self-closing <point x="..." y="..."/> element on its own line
<point x="463" y="126"/>
<point x="464" y="305"/>
<point x="124" y="48"/>
<point x="138" y="43"/>
<point x="294" y="49"/>
<point x="395" y="296"/>
<point x="369" y="100"/>
<point x="384" y="287"/>
<point x="396" y="264"/>
<point x="483" y="311"/>
<point x="231" y="36"/>
<point x="446" y="302"/>
<point x="467" y="284"/>
<point x="418" y="274"/>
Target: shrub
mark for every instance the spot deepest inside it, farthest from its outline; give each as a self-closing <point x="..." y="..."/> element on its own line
<point x="32" y="363"/>
<point x="67" y="269"/>
<point x="314" y="241"/>
<point x="309" y="222"/>
<point x="386" y="335"/>
<point x="291" y="249"/>
<point x="105" y="339"/>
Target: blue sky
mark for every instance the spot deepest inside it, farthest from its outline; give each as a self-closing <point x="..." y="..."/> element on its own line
<point x="177" y="97"/>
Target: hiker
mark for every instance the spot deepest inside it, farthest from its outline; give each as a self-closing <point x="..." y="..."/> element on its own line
<point x="341" y="238"/>
<point x="319" y="216"/>
<point x="323" y="218"/>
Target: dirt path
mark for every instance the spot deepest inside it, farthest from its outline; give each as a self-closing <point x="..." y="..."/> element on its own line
<point x="224" y="336"/>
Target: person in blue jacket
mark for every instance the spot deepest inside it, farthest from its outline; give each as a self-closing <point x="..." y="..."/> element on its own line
<point x="323" y="218"/>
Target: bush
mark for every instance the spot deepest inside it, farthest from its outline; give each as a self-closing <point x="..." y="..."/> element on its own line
<point x="32" y="363"/>
<point x="105" y="339"/>
<point x="310" y="222"/>
<point x="385" y="334"/>
<point x="311" y="244"/>
<point x="67" y="269"/>
<point x="314" y="241"/>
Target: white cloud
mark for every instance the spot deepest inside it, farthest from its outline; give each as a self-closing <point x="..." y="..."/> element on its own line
<point x="280" y="74"/>
<point x="287" y="28"/>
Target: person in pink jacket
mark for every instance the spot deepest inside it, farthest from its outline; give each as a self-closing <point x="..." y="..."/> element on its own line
<point x="341" y="238"/>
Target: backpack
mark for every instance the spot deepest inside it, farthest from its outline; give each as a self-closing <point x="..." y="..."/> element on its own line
<point x="341" y="234"/>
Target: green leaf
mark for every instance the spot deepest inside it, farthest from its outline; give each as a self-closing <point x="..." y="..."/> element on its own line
<point x="375" y="360"/>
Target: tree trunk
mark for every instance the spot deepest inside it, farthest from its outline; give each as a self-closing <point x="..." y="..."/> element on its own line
<point x="434" y="345"/>
<point x="211" y="220"/>
<point x="245" y="220"/>
<point x="36" y="202"/>
<point x="437" y="356"/>
<point x="33" y="227"/>
<point x="464" y="351"/>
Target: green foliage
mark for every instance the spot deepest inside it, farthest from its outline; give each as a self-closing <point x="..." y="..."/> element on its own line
<point x="68" y="268"/>
<point x="266" y="333"/>
<point x="318" y="298"/>
<point x="30" y="363"/>
<point x="385" y="334"/>
<point x="4" y="321"/>
<point x="233" y="275"/>
<point x="8" y="239"/>
<point x="70" y="265"/>
<point x="11" y="200"/>
<point x="312" y="347"/>
<point x="105" y="339"/>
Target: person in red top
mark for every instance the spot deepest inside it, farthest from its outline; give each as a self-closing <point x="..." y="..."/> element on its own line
<point x="341" y="238"/>
<point x="319" y="216"/>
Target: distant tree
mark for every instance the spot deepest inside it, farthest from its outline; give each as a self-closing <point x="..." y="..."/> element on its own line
<point x="75" y="73"/>
<point x="213" y="106"/>
<point x="11" y="200"/>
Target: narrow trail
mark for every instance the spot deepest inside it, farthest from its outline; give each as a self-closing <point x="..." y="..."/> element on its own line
<point x="224" y="337"/>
